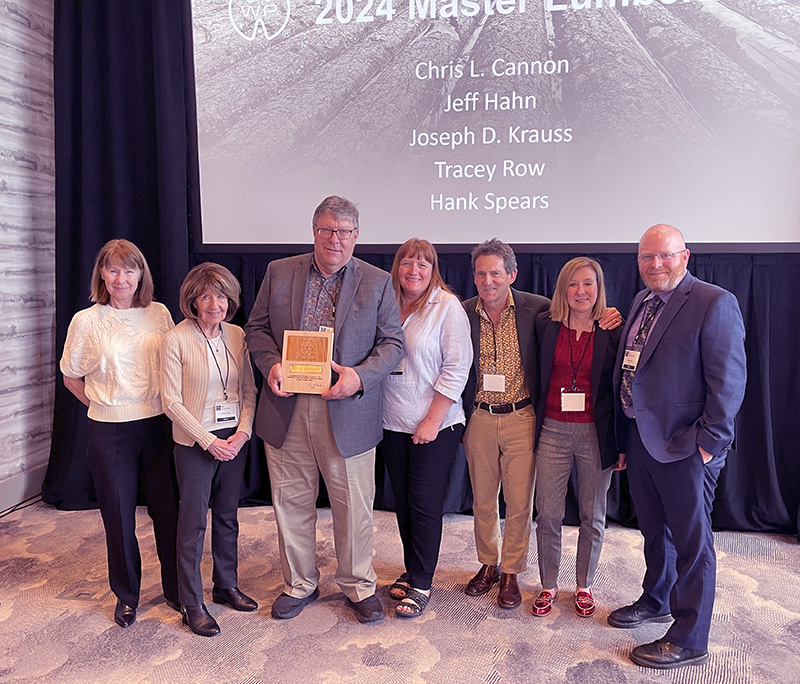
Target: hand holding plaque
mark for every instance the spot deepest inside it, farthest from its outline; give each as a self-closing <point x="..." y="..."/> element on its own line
<point x="306" y="361"/>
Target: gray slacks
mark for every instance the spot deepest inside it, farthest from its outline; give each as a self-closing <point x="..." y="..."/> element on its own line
<point x="561" y="445"/>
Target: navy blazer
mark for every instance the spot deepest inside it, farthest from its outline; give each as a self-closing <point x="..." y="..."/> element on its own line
<point x="527" y="306"/>
<point x="367" y="336"/>
<point x="603" y="359"/>
<point x="690" y="380"/>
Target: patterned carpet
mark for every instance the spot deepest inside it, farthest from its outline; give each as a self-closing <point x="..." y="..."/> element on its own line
<point x="56" y="621"/>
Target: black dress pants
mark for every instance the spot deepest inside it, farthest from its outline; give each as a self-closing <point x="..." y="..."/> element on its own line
<point x="419" y="474"/>
<point x="204" y="481"/>
<point x="121" y="455"/>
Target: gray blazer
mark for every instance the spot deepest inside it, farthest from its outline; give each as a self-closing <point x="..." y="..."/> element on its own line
<point x="368" y="336"/>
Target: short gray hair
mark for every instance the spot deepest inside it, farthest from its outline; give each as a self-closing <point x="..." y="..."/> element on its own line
<point x="495" y="247"/>
<point x="341" y="208"/>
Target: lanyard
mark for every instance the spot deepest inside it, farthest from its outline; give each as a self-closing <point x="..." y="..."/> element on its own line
<point x="330" y="296"/>
<point x="214" y="356"/>
<point x="494" y="342"/>
<point x="573" y="367"/>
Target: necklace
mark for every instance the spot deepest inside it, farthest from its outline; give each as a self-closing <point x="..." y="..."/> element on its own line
<point x="216" y="343"/>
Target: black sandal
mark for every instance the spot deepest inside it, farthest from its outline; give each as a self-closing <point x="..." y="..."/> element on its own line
<point x="399" y="590"/>
<point x="415" y="600"/>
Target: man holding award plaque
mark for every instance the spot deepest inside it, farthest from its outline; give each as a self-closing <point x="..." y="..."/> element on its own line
<point x="317" y="313"/>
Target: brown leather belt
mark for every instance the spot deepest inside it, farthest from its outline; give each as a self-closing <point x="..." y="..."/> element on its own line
<point x="503" y="408"/>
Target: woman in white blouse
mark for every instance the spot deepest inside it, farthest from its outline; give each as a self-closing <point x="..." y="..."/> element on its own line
<point x="111" y="364"/>
<point x="423" y="416"/>
<point x="209" y="394"/>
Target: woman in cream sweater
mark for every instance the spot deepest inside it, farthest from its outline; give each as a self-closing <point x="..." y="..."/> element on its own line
<point x="209" y="393"/>
<point x="111" y="364"/>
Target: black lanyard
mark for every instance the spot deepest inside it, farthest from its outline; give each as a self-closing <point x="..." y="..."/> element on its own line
<point x="330" y="296"/>
<point x="214" y="356"/>
<point x="572" y="365"/>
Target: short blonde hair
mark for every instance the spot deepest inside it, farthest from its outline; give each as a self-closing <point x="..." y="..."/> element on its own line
<point x="422" y="249"/>
<point x="559" y="309"/>
<point x="209" y="276"/>
<point x="127" y="254"/>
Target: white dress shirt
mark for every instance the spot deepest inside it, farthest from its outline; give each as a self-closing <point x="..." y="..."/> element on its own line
<point x="438" y="358"/>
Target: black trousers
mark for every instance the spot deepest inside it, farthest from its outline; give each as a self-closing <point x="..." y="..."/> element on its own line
<point x="121" y="455"/>
<point x="419" y="474"/>
<point x="202" y="480"/>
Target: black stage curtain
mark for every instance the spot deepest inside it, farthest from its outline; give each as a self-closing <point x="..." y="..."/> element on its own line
<point x="126" y="166"/>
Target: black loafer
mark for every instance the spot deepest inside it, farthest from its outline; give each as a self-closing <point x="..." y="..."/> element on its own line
<point x="235" y="598"/>
<point x="286" y="607"/>
<point x="634" y="615"/>
<point x="663" y="655"/>
<point x="368" y="609"/>
<point x="198" y="619"/>
<point x="124" y="615"/>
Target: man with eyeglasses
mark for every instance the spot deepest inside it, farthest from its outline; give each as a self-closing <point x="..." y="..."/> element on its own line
<point x="334" y="433"/>
<point x="680" y="380"/>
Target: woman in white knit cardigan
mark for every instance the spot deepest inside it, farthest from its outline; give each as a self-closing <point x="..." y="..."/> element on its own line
<point x="208" y="392"/>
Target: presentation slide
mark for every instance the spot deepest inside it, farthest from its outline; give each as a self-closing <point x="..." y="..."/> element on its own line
<point x="536" y="121"/>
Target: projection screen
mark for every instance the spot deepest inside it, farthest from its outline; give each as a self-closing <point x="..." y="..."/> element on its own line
<point x="537" y="121"/>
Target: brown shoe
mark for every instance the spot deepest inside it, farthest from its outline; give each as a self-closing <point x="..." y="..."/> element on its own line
<point x="509" y="596"/>
<point x="487" y="576"/>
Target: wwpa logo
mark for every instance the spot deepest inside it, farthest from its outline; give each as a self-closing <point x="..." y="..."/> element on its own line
<point x="251" y="17"/>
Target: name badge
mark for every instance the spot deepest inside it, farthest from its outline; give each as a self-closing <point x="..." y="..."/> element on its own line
<point x="630" y="360"/>
<point x="401" y="369"/>
<point x="493" y="382"/>
<point x="573" y="400"/>
<point x="325" y="328"/>
<point x="226" y="412"/>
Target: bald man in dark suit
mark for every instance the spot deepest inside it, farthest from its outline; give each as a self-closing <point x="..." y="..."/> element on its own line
<point x="680" y="380"/>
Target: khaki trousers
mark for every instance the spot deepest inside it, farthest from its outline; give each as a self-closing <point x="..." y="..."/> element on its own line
<point x="499" y="451"/>
<point x="350" y="482"/>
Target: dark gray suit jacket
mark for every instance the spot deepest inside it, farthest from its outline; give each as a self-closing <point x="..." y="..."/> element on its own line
<point x="527" y="307"/>
<point x="690" y="380"/>
<point x="368" y="336"/>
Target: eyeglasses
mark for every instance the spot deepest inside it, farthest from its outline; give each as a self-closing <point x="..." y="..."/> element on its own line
<point x="342" y="233"/>
<point x="662" y="256"/>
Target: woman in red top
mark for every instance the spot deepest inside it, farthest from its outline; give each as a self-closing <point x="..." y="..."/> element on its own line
<point x="574" y="424"/>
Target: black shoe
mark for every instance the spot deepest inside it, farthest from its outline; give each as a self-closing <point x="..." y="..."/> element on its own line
<point x="662" y="655"/>
<point x="198" y="619"/>
<point x="235" y="598"/>
<point x="485" y="579"/>
<point x="286" y="606"/>
<point x="124" y="615"/>
<point x="634" y="615"/>
<point x="173" y="604"/>
<point x="368" y="609"/>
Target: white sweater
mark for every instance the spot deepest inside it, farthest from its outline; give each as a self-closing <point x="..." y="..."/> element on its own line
<point x="116" y="352"/>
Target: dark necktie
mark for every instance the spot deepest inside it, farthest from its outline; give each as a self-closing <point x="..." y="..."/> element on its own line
<point x="650" y="311"/>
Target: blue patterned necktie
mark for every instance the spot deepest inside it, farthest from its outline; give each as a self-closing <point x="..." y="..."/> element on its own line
<point x="650" y="311"/>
